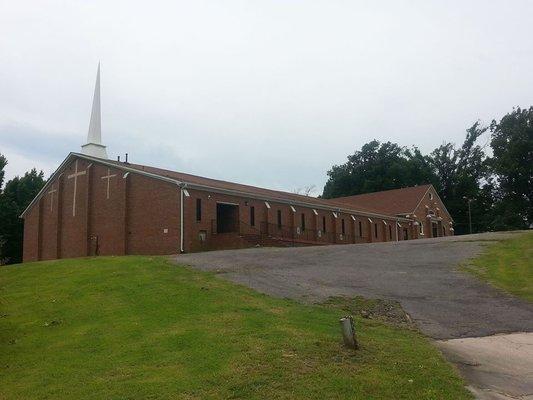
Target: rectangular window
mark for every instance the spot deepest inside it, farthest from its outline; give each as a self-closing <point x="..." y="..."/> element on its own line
<point x="324" y="224"/>
<point x="252" y="216"/>
<point x="279" y="219"/>
<point x="303" y="222"/>
<point x="198" y="210"/>
<point x="375" y="230"/>
<point x="343" y="229"/>
<point x="420" y="227"/>
<point x="390" y="232"/>
<point x="360" y="229"/>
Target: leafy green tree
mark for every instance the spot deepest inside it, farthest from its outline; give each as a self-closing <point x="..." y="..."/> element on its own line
<point x="463" y="177"/>
<point x="378" y="166"/>
<point x="512" y="165"/>
<point x="16" y="196"/>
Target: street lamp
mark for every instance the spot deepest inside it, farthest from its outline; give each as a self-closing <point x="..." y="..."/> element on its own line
<point x="469" y="213"/>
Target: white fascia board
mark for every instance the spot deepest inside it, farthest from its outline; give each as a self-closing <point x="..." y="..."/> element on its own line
<point x="200" y="187"/>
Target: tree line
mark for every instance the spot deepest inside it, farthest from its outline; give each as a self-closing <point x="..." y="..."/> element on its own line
<point x="495" y="178"/>
<point x="498" y="186"/>
<point x="14" y="198"/>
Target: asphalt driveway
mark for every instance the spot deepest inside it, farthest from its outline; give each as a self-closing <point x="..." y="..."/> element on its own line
<point x="421" y="274"/>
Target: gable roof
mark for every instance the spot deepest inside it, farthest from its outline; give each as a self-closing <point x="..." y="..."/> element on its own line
<point x="394" y="202"/>
<point x="201" y="183"/>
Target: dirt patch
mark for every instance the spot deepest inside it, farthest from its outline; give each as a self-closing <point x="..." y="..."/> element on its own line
<point x="388" y="311"/>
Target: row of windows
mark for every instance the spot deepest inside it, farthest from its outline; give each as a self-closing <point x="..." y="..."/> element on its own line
<point x="302" y="221"/>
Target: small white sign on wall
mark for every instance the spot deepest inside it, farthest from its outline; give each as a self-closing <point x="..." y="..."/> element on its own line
<point x="165" y="230"/>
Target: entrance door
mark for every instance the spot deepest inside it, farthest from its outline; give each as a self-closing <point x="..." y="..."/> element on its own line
<point x="227" y="218"/>
<point x="405" y="234"/>
<point x="435" y="229"/>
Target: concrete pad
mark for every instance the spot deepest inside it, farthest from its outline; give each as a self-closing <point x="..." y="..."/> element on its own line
<point x="498" y="367"/>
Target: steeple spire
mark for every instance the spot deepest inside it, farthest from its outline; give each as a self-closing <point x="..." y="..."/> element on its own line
<point x="94" y="146"/>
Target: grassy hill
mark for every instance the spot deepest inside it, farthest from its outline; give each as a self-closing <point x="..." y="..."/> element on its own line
<point x="144" y="328"/>
<point x="507" y="265"/>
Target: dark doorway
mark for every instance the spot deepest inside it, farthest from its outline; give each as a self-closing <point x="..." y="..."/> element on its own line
<point x="405" y="234"/>
<point x="227" y="218"/>
<point x="435" y="230"/>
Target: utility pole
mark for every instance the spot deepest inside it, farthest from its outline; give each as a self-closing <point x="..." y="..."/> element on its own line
<point x="469" y="213"/>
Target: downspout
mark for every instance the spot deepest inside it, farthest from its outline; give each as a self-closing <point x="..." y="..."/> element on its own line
<point x="182" y="241"/>
<point x="397" y="233"/>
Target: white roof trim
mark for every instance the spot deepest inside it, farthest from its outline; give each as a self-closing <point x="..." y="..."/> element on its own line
<point x="124" y="167"/>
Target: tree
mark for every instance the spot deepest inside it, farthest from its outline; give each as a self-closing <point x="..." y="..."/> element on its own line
<point x="512" y="164"/>
<point x="378" y="167"/>
<point x="462" y="178"/>
<point x="3" y="163"/>
<point x="16" y="196"/>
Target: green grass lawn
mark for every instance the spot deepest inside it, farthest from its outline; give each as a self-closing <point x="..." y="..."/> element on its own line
<point x="144" y="328"/>
<point x="508" y="265"/>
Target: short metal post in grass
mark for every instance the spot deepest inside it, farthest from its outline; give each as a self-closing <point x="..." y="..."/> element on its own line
<point x="348" y="332"/>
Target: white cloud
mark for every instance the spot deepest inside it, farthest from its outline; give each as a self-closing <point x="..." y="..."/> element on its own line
<point x="263" y="92"/>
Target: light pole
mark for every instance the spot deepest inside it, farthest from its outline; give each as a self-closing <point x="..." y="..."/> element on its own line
<point x="469" y="213"/>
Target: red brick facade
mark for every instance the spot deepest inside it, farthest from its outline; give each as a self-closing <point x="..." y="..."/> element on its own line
<point x="96" y="207"/>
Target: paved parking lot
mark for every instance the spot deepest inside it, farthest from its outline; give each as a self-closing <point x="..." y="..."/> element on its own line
<point x="421" y="274"/>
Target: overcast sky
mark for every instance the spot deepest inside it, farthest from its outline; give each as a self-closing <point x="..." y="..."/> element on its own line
<point x="270" y="93"/>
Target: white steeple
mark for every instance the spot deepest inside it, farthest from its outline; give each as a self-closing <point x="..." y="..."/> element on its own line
<point x="94" y="146"/>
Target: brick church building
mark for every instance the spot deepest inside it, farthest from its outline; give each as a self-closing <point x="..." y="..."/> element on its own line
<point x="95" y="206"/>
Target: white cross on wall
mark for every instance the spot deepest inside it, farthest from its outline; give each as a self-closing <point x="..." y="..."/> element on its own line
<point x="51" y="192"/>
<point x="75" y="176"/>
<point x="108" y="177"/>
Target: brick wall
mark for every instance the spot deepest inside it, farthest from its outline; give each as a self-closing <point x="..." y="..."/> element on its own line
<point x="90" y="209"/>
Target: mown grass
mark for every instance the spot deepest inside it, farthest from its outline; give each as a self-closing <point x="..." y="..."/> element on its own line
<point x="144" y="328"/>
<point x="507" y="265"/>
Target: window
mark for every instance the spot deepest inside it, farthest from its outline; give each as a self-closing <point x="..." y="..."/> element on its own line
<point x="360" y="229"/>
<point x="343" y="229"/>
<point x="279" y="219"/>
<point x="390" y="232"/>
<point x="252" y="216"/>
<point x="198" y="210"/>
<point x="324" y="224"/>
<point x="303" y="222"/>
<point x="420" y="227"/>
<point x="375" y="230"/>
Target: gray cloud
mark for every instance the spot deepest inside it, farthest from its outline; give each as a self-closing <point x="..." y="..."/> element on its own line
<point x="263" y="92"/>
